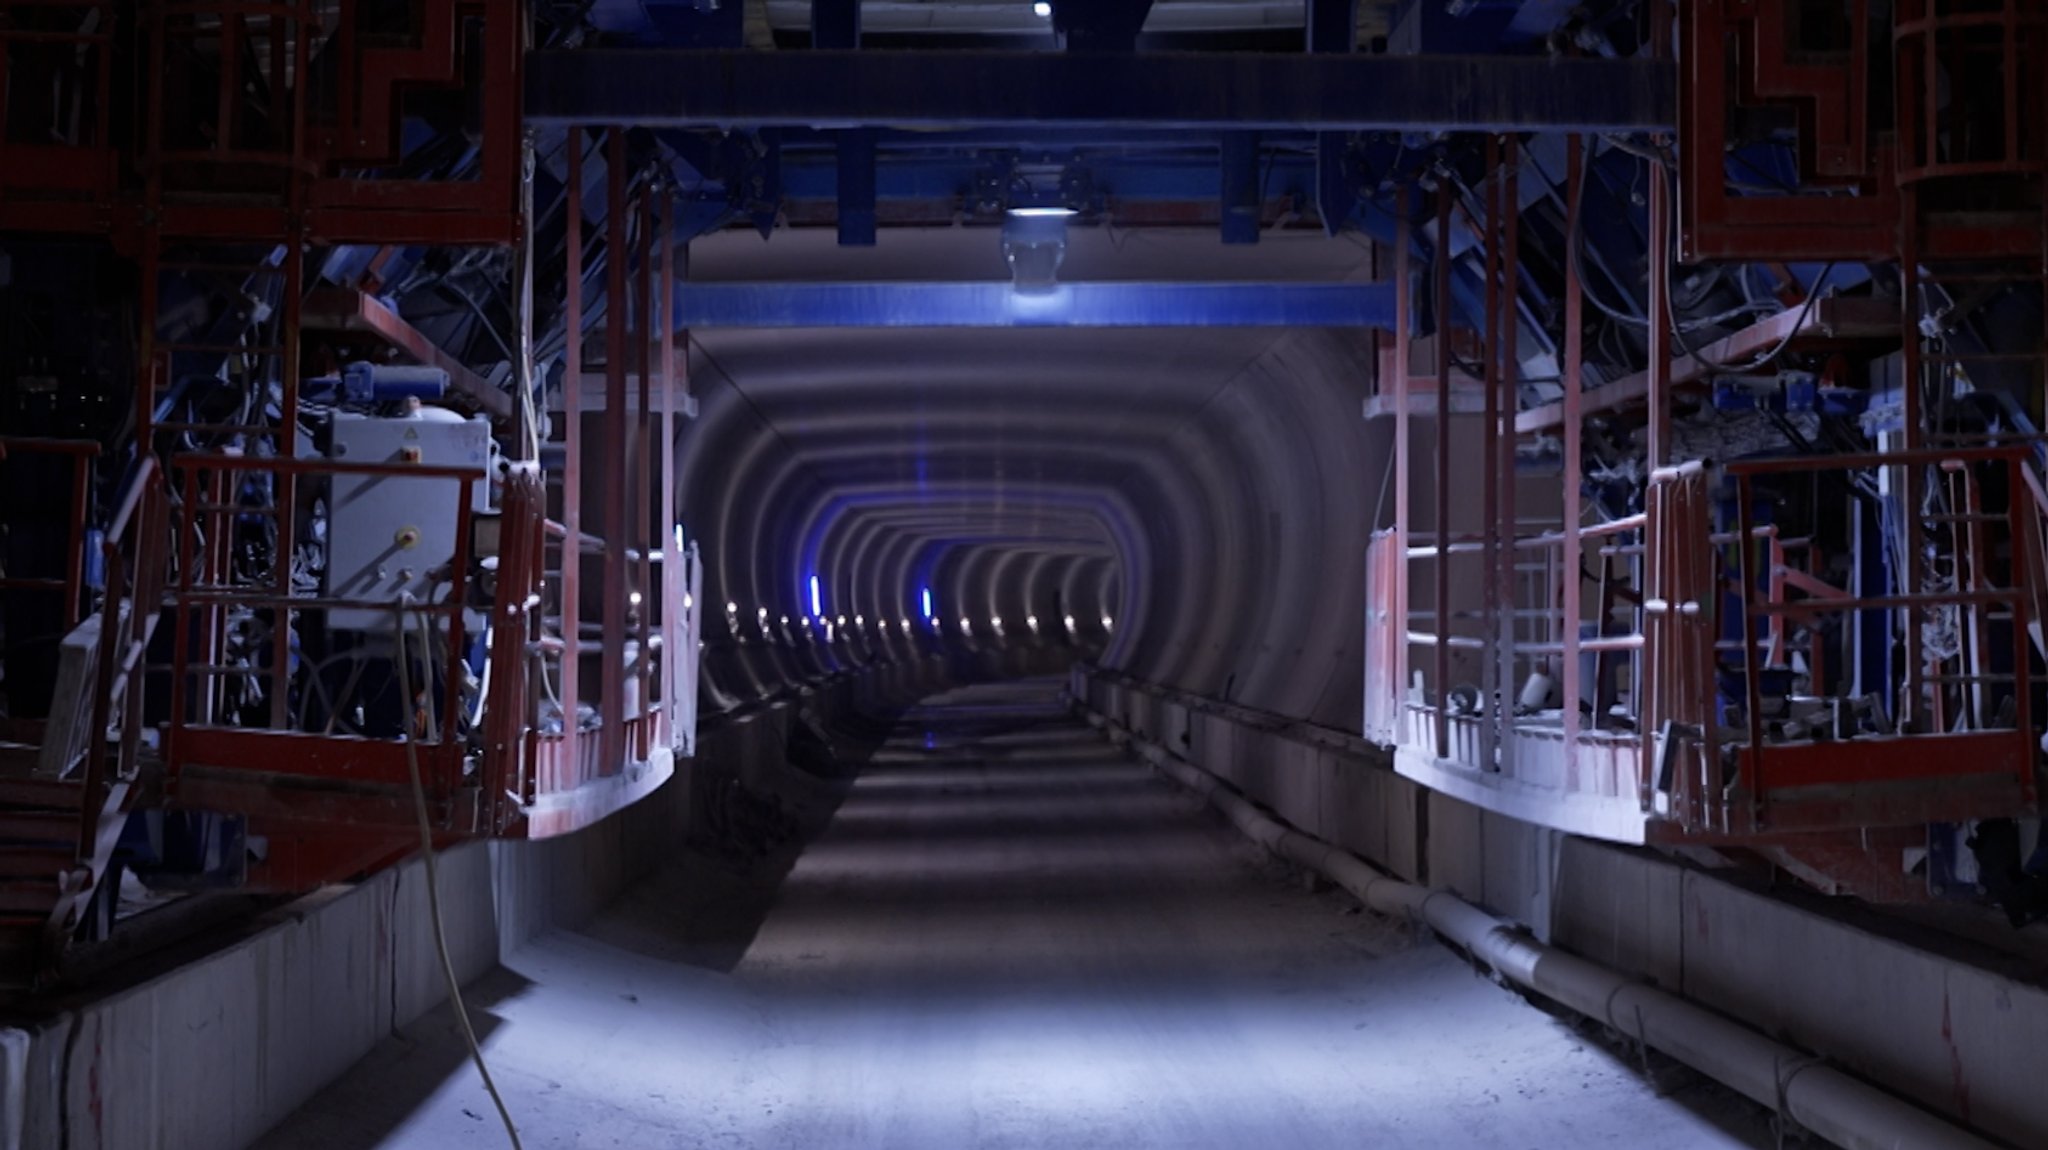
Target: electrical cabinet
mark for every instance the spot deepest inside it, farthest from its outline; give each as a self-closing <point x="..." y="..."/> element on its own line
<point x="388" y="535"/>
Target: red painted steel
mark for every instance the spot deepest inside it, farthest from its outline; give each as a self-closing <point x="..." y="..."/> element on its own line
<point x="303" y="171"/>
<point x="1852" y="207"/>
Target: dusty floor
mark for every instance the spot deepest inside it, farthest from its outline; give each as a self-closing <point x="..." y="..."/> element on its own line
<point x="1007" y="937"/>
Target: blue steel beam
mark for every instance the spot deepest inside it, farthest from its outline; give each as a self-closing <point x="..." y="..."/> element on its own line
<point x="856" y="190"/>
<point x="685" y="88"/>
<point x="1244" y="202"/>
<point x="792" y="305"/>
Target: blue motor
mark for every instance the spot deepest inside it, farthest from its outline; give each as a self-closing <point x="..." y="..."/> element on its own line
<point x="366" y="382"/>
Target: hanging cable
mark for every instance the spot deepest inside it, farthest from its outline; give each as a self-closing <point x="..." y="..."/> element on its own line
<point x="419" y="794"/>
<point x="1669" y="244"/>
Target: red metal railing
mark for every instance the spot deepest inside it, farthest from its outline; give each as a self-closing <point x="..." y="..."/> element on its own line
<point x="1679" y="631"/>
<point x="537" y="746"/>
<point x="1666" y="746"/>
<point x="206" y="589"/>
<point x="135" y="549"/>
<point x="59" y="52"/>
<point x="1767" y="777"/>
<point x="223" y="101"/>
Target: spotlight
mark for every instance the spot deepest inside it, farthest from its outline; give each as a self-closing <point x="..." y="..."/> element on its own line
<point x="1034" y="244"/>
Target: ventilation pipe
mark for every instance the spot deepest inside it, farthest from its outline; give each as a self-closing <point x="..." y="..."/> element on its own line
<point x="1824" y="1100"/>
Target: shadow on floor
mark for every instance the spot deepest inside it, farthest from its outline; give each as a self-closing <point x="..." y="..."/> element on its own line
<point x="704" y="907"/>
<point x="404" y="1071"/>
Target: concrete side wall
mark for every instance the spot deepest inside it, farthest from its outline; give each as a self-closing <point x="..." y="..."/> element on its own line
<point x="217" y="1051"/>
<point x="1958" y="1038"/>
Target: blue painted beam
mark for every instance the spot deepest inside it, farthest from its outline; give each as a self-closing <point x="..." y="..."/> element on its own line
<point x="909" y="89"/>
<point x="1244" y="205"/>
<point x="799" y="305"/>
<point x="856" y="189"/>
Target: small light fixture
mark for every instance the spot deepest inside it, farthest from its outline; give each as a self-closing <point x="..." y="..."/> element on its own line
<point x="1107" y="623"/>
<point x="1042" y="9"/>
<point x="1070" y="622"/>
<point x="1034" y="245"/>
<point x="732" y="608"/>
<point x="633" y="599"/>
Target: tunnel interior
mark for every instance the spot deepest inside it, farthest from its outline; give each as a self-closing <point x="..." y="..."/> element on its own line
<point x="1182" y="504"/>
<point x="950" y="573"/>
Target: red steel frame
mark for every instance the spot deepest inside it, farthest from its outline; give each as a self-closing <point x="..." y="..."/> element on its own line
<point x="1677" y="665"/>
<point x="1832" y="99"/>
<point x="313" y="183"/>
<point x="586" y="773"/>
<point x="86" y="189"/>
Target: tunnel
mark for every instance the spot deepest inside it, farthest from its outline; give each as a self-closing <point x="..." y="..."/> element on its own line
<point x="1149" y="573"/>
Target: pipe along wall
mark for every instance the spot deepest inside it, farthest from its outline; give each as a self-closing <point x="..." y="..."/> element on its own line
<point x="1819" y="1094"/>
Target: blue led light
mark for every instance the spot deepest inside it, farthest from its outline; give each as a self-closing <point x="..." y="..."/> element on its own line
<point x="817" y="602"/>
<point x="927" y="602"/>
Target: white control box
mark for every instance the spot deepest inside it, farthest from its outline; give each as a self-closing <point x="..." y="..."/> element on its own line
<point x="387" y="534"/>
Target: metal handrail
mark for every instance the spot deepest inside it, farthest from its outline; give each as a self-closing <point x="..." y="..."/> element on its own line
<point x="202" y="589"/>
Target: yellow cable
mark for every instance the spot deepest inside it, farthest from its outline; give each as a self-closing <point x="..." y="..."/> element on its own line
<point x="419" y="794"/>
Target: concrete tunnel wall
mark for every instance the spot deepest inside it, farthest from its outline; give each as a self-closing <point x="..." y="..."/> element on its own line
<point x="217" y="1050"/>
<point x="1956" y="1032"/>
<point x="1221" y="527"/>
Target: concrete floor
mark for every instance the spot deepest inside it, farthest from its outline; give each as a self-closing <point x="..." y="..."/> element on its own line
<point x="1006" y="937"/>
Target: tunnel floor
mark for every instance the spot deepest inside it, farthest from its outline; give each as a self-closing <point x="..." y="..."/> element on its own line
<point x="1006" y="936"/>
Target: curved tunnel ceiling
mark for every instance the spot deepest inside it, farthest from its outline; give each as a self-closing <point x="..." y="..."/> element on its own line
<point x="1204" y="490"/>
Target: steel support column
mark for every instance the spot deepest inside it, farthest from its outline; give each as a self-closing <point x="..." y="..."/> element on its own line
<point x="617" y="307"/>
<point x="1397" y="676"/>
<point x="1243" y="201"/>
<point x="1569" y="567"/>
<point x="1443" y="469"/>
<point x="1504" y="352"/>
<point x="572" y="432"/>
<point x="1495" y="725"/>
<point x="640" y="467"/>
<point x="855" y="150"/>
<point x="673" y="578"/>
